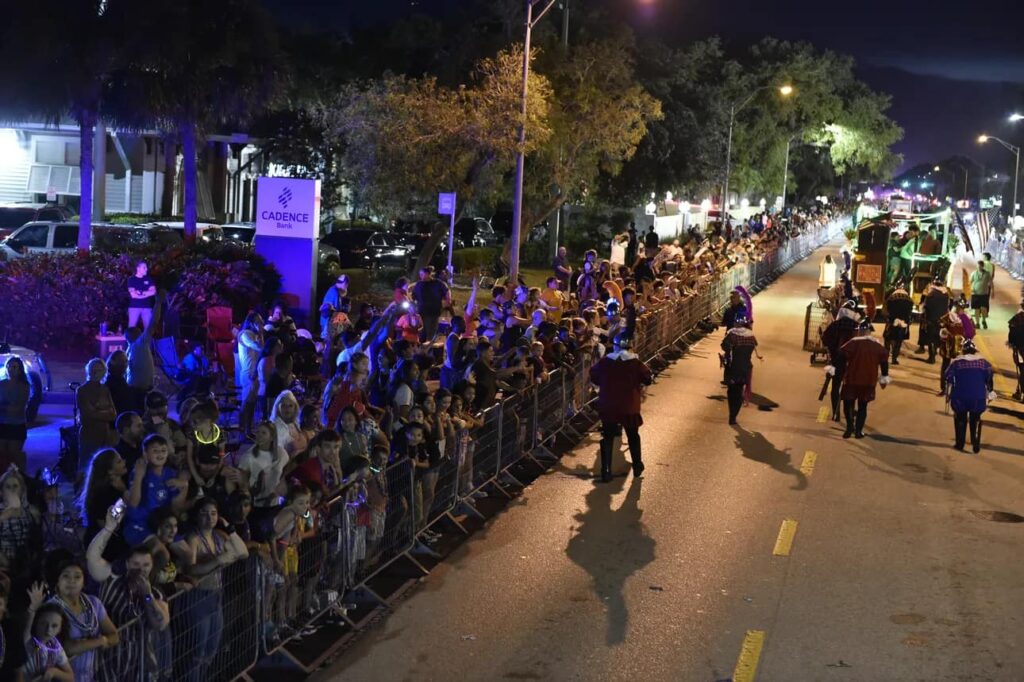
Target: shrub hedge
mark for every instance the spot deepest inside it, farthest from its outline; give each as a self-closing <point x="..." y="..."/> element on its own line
<point x="59" y="301"/>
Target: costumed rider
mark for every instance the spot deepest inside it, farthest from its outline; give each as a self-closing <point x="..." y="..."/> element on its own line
<point x="861" y="358"/>
<point x="899" y="307"/>
<point x="969" y="377"/>
<point x="739" y="345"/>
<point x="621" y="378"/>
<point x="842" y="329"/>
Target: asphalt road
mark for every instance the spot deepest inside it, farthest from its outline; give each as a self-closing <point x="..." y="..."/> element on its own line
<point x="894" y="570"/>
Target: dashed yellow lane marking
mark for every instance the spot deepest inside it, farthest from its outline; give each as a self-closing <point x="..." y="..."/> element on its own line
<point x="750" y="654"/>
<point x="784" y="543"/>
<point x="823" y="414"/>
<point x="807" y="466"/>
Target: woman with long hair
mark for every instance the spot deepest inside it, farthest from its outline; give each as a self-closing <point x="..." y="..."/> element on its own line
<point x="96" y="413"/>
<point x="215" y="545"/>
<point x="266" y="365"/>
<point x="402" y="391"/>
<point x="250" y="345"/>
<point x="15" y="393"/>
<point x="104" y="485"/>
<point x="19" y="524"/>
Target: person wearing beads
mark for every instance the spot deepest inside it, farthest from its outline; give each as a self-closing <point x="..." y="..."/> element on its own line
<point x="89" y="627"/>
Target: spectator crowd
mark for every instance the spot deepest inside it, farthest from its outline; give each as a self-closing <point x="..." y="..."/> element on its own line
<point x="188" y="525"/>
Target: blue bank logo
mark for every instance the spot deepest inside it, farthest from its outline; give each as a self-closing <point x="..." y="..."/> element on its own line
<point x="285" y="197"/>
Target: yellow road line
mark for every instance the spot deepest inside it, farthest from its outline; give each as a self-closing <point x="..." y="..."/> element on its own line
<point x="1001" y="383"/>
<point x="784" y="543"/>
<point x="823" y="414"/>
<point x="807" y="466"/>
<point x="750" y="654"/>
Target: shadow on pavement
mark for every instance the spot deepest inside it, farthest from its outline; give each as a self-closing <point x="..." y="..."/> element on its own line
<point x="763" y="403"/>
<point x="945" y="444"/>
<point x="611" y="545"/>
<point x="755" y="446"/>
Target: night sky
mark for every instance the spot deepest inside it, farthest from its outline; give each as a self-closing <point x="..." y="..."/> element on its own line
<point x="954" y="69"/>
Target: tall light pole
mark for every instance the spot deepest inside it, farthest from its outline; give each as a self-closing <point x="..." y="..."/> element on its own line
<point x="1016" y="171"/>
<point x="735" y="108"/>
<point x="517" y="198"/>
<point x="785" y="170"/>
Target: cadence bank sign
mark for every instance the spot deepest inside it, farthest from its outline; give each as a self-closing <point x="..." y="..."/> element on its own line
<point x="288" y="207"/>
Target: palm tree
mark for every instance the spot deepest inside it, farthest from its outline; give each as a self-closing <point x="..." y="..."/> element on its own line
<point x="215" y="63"/>
<point x="57" y="55"/>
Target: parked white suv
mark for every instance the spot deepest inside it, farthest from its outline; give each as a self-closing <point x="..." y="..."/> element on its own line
<point x="56" y="238"/>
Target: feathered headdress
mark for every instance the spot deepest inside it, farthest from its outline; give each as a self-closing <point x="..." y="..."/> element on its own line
<point x="748" y="302"/>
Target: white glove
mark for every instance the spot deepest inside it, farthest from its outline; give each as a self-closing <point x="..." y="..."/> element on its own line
<point x="830" y="370"/>
<point x="885" y="380"/>
<point x="992" y="395"/>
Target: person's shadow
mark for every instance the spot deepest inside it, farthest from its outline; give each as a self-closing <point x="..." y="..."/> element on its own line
<point x="611" y="545"/>
<point x="755" y="446"/>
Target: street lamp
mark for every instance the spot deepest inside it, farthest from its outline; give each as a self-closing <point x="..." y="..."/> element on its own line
<point x="517" y="199"/>
<point x="982" y="139"/>
<point x="532" y="20"/>
<point x="784" y="90"/>
<point x="1016" y="117"/>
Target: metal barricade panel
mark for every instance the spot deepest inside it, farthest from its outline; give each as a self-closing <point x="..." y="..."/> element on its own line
<point x="482" y="456"/>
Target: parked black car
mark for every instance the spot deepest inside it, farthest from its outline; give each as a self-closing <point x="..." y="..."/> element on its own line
<point x="415" y="244"/>
<point x="362" y="248"/>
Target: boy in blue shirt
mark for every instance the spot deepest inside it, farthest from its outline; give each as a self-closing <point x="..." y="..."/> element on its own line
<point x="154" y="485"/>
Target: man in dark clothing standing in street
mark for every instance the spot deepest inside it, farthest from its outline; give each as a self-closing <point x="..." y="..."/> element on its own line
<point x="651" y="240"/>
<point x="899" y="307"/>
<point x="621" y="379"/>
<point x="431" y="296"/>
<point x="631" y="245"/>
<point x="842" y="329"/>
<point x="860" y="358"/>
<point x="935" y="304"/>
<point x="562" y="270"/>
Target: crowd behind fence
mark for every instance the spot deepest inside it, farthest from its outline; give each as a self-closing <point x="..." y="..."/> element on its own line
<point x="220" y="628"/>
<point x="1006" y="254"/>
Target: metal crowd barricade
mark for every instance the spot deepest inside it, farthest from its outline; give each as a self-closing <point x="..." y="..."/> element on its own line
<point x="130" y="660"/>
<point x="550" y="400"/>
<point x="482" y="460"/>
<point x="397" y="535"/>
<point x="446" y="488"/>
<point x="214" y="627"/>
<point x="512" y="447"/>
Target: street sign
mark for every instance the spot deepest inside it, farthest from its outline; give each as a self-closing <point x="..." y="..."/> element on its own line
<point x="446" y="206"/>
<point x="446" y="203"/>
<point x="288" y="207"/>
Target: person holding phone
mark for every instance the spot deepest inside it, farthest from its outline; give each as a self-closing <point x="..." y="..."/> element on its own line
<point x="410" y="325"/>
